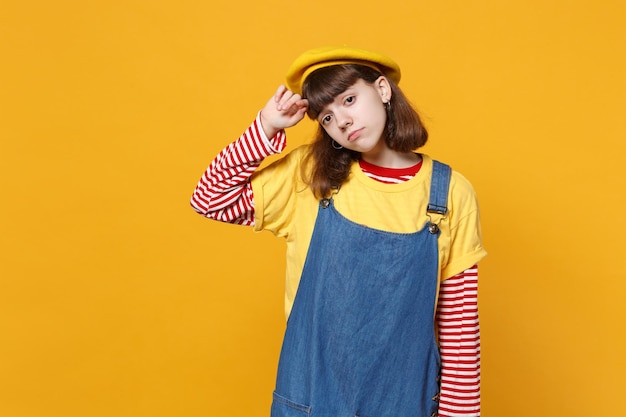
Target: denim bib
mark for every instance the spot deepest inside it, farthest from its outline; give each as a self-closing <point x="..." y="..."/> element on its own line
<point x="360" y="339"/>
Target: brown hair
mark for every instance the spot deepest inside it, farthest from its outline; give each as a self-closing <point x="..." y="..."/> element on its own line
<point x="330" y="167"/>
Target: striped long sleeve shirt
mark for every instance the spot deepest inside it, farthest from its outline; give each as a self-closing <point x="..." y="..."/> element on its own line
<point x="224" y="193"/>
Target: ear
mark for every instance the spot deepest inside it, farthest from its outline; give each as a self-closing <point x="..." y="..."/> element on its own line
<point x="384" y="88"/>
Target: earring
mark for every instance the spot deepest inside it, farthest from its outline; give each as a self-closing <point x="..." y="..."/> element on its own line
<point x="335" y="145"/>
<point x="387" y="105"/>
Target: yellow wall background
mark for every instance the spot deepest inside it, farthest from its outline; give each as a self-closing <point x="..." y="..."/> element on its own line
<point x="117" y="300"/>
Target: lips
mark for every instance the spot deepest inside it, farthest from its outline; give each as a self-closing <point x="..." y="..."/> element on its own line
<point x="354" y="135"/>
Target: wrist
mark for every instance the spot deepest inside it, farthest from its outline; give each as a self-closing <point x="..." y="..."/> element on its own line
<point x="269" y="130"/>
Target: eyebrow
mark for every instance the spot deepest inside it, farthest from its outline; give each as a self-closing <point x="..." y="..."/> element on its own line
<point x="349" y="90"/>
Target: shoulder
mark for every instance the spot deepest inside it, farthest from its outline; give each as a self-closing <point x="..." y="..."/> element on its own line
<point x="283" y="176"/>
<point x="296" y="156"/>
<point x="460" y="186"/>
<point x="285" y="165"/>
<point x="461" y="195"/>
<point x="463" y="203"/>
<point x="280" y="200"/>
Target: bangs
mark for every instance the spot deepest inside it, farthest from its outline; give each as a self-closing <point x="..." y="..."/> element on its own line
<point x="322" y="86"/>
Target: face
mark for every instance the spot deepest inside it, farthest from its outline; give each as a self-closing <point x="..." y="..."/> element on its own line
<point x="356" y="118"/>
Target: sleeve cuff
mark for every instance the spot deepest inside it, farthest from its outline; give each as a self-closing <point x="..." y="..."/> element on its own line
<point x="277" y="143"/>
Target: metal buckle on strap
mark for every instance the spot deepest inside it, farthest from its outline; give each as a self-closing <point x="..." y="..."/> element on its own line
<point x="434" y="208"/>
<point x="433" y="225"/>
<point x="325" y="202"/>
<point x="438" y="199"/>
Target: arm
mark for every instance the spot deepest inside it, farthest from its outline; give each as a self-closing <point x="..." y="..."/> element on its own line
<point x="224" y="192"/>
<point x="459" y="340"/>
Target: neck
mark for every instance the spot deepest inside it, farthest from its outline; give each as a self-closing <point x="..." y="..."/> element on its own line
<point x="391" y="159"/>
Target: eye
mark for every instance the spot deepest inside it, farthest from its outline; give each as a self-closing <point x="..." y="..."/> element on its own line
<point x="326" y="119"/>
<point x="350" y="99"/>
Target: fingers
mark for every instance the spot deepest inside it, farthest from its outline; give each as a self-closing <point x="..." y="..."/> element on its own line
<point x="284" y="109"/>
<point x="293" y="104"/>
<point x="286" y="99"/>
<point x="279" y="93"/>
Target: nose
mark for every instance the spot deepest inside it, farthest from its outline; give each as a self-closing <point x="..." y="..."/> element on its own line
<point x="343" y="120"/>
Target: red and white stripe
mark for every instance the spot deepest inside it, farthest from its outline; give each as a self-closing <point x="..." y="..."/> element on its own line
<point x="459" y="344"/>
<point x="224" y="193"/>
<point x="389" y="175"/>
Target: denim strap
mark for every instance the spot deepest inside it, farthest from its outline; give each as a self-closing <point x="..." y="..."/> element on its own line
<point x="439" y="184"/>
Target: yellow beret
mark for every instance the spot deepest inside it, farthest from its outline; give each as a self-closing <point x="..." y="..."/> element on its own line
<point x="326" y="56"/>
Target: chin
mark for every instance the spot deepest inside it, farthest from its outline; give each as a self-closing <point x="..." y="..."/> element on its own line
<point x="363" y="148"/>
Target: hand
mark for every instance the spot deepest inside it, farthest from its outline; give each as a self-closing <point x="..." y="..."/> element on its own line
<point x="283" y="110"/>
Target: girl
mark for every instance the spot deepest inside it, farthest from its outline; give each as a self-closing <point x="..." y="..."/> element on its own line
<point x="382" y="244"/>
